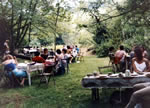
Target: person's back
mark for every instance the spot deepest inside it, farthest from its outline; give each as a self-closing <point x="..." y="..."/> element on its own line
<point x="38" y="58"/>
<point x="60" y="69"/>
<point x="120" y="55"/>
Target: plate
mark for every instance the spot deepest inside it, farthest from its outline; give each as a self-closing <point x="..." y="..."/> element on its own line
<point x="102" y="77"/>
<point x="134" y="74"/>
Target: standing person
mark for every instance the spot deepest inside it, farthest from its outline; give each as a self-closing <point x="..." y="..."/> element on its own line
<point x="60" y="69"/>
<point x="74" y="54"/>
<point x="6" y="46"/>
<point x="78" y="50"/>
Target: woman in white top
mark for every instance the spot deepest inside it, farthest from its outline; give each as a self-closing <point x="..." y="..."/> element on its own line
<point x="141" y="95"/>
<point x="139" y="63"/>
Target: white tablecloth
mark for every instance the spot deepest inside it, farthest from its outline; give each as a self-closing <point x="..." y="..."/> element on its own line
<point x="113" y="82"/>
<point x="30" y="68"/>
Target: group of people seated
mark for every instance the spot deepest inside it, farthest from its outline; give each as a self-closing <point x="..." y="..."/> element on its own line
<point x="61" y="57"/>
<point x="141" y="96"/>
<point x="139" y="64"/>
<point x="138" y="56"/>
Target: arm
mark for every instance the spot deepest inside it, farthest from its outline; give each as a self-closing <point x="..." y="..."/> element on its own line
<point x="16" y="62"/>
<point x="147" y="69"/>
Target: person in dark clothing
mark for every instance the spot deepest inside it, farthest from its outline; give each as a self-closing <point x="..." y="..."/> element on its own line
<point x="38" y="58"/>
<point x="45" y="54"/>
<point x="52" y="53"/>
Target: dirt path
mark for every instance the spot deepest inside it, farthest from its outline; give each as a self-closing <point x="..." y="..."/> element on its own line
<point x="85" y="52"/>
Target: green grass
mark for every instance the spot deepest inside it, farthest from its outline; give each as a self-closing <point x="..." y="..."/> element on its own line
<point x="67" y="93"/>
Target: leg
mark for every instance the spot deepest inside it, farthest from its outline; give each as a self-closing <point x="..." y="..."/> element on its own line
<point x="140" y="86"/>
<point x="22" y="82"/>
<point x="95" y="94"/>
<point x="122" y="66"/>
<point x="140" y="96"/>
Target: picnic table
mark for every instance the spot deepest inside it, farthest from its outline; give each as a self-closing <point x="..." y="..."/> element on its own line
<point x="30" y="67"/>
<point x="94" y="82"/>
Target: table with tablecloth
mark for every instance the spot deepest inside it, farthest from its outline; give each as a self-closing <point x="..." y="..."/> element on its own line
<point x="30" y="67"/>
<point x="94" y="82"/>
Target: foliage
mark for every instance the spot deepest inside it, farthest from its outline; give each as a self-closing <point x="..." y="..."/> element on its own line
<point x="115" y="23"/>
<point x="103" y="49"/>
<point x="33" y="17"/>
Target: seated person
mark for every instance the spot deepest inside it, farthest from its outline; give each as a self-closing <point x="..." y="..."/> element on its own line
<point x="120" y="58"/>
<point x="139" y="63"/>
<point x="65" y="56"/>
<point x="145" y="54"/>
<point x="45" y="54"/>
<point x="38" y="58"/>
<point x="111" y="54"/>
<point x="141" y="96"/>
<point x="52" y="53"/>
<point x="120" y="54"/>
<point x="10" y="63"/>
<point x="69" y="55"/>
<point x="132" y="52"/>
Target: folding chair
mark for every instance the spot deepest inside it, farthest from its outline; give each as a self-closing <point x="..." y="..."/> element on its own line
<point x="47" y="73"/>
<point x="104" y="67"/>
<point x="80" y="56"/>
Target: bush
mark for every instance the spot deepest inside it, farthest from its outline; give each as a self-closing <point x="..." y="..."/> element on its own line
<point x="102" y="50"/>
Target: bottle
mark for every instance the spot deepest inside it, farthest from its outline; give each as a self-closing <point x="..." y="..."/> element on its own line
<point x="127" y="73"/>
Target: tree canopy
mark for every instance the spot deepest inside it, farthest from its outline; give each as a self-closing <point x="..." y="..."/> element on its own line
<point x="100" y="23"/>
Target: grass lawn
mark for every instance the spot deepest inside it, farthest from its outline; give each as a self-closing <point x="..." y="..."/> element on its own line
<point x="67" y="93"/>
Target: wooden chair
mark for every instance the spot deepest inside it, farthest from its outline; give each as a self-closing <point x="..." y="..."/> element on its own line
<point x="47" y="74"/>
<point x="104" y="67"/>
<point x="111" y="64"/>
<point x="80" y="56"/>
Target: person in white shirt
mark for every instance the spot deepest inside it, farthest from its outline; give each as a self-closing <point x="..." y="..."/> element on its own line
<point x="139" y="63"/>
<point x="141" y="96"/>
